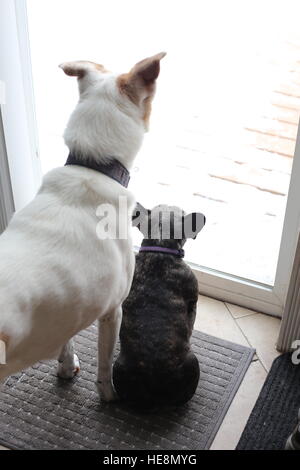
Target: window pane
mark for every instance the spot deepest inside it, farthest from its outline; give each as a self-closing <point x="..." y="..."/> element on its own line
<point x="224" y="119"/>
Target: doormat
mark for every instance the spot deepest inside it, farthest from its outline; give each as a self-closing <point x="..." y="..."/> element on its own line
<point x="40" y="411"/>
<point x="274" y="416"/>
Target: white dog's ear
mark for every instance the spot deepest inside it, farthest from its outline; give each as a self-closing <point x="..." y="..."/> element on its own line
<point x="80" y="68"/>
<point x="192" y="224"/>
<point x="86" y="72"/>
<point x="148" y="69"/>
<point x="139" y="83"/>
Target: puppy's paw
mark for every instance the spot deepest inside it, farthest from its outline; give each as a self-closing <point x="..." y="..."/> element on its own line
<point x="67" y="369"/>
<point x="106" y="391"/>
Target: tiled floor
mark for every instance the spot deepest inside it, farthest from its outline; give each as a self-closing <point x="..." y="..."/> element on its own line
<point x="245" y="327"/>
<point x="249" y="328"/>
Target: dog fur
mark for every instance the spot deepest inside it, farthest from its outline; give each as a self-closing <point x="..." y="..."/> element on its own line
<point x="56" y="276"/>
<point x="156" y="366"/>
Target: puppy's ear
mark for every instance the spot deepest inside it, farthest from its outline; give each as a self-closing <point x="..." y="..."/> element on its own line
<point x="192" y="224"/>
<point x="139" y="83"/>
<point x="139" y="214"/>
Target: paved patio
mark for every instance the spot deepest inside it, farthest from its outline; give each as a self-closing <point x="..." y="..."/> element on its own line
<point x="235" y="168"/>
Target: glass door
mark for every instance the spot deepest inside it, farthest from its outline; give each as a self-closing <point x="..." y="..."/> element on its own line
<point x="223" y="128"/>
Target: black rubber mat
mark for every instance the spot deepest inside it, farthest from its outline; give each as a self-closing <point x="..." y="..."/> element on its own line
<point x="40" y="411"/>
<point x="274" y="415"/>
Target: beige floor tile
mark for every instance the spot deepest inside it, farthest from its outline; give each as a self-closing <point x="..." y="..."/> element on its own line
<point x="238" y="312"/>
<point x="262" y="333"/>
<point x="214" y="318"/>
<point x="240" y="409"/>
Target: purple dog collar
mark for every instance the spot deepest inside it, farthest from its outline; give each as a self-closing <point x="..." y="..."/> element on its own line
<point x="161" y="249"/>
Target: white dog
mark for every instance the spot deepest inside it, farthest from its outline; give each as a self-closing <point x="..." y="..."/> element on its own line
<point x="56" y="276"/>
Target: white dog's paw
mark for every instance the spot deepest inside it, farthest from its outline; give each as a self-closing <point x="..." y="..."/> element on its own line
<point x="67" y="369"/>
<point x="106" y="391"/>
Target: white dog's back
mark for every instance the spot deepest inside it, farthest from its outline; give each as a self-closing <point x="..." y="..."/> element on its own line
<point x="55" y="274"/>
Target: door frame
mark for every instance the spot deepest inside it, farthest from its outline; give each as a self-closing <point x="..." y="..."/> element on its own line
<point x="6" y="196"/>
<point x="223" y="286"/>
<point x="18" y="115"/>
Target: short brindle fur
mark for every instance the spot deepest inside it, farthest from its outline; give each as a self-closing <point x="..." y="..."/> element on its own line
<point x="156" y="366"/>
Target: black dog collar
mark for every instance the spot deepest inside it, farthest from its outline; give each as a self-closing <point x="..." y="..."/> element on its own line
<point x="161" y="249"/>
<point x="113" y="168"/>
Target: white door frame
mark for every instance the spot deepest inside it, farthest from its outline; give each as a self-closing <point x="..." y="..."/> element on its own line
<point x="6" y="197"/>
<point x="26" y="174"/>
<point x="18" y="107"/>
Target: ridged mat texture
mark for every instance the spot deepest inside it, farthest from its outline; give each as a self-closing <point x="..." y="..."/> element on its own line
<point x="40" y="411"/>
<point x="274" y="416"/>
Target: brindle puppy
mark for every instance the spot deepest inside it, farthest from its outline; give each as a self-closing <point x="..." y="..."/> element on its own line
<point x="156" y="366"/>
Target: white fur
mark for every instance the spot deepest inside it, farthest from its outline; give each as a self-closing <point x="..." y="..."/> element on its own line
<point x="56" y="276"/>
<point x="104" y="123"/>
